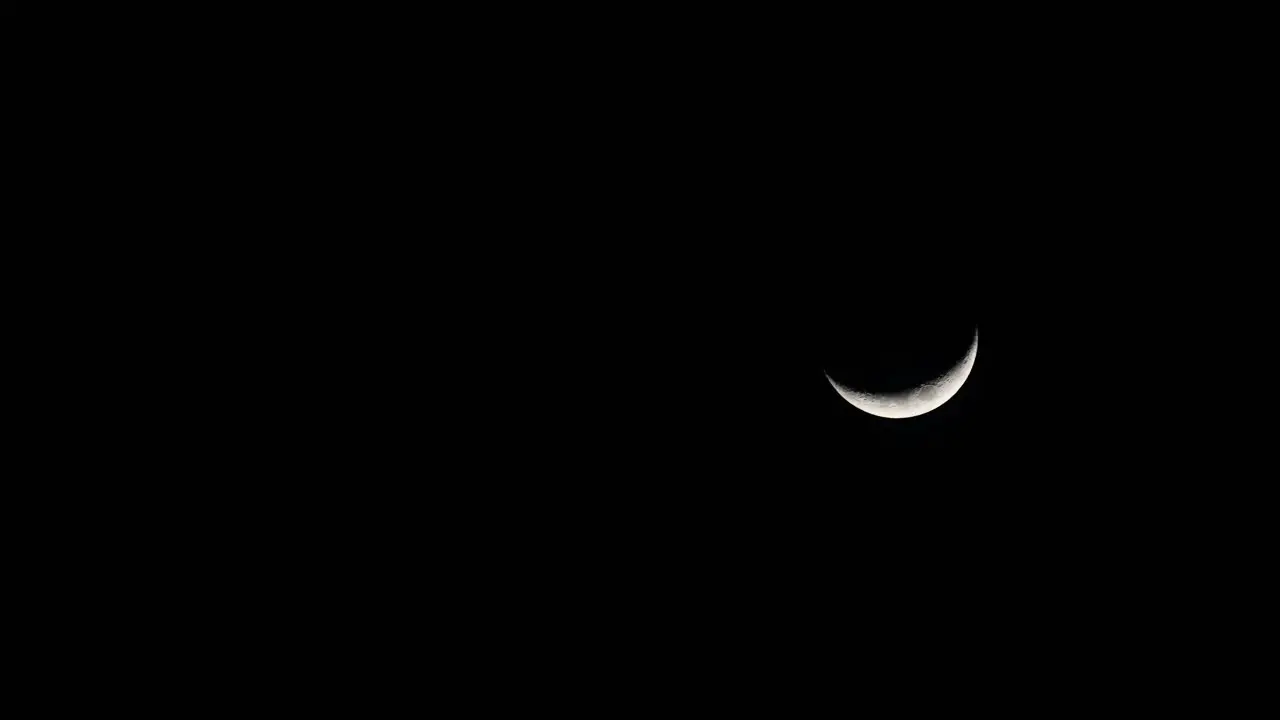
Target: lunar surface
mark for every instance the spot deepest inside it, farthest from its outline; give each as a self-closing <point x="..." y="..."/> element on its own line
<point x="917" y="400"/>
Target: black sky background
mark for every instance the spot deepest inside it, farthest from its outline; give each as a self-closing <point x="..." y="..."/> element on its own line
<point x="648" y="250"/>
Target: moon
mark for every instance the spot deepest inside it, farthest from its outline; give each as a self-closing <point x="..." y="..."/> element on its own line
<point x="914" y="401"/>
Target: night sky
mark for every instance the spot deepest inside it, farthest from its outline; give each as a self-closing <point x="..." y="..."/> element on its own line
<point x="677" y="243"/>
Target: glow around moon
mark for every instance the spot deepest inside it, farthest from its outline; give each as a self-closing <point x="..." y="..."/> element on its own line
<point x="918" y="400"/>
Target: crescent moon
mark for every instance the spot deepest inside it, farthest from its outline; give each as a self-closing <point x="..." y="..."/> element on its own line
<point x="917" y="400"/>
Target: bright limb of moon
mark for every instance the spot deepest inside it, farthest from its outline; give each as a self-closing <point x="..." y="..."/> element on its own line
<point x="918" y="400"/>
